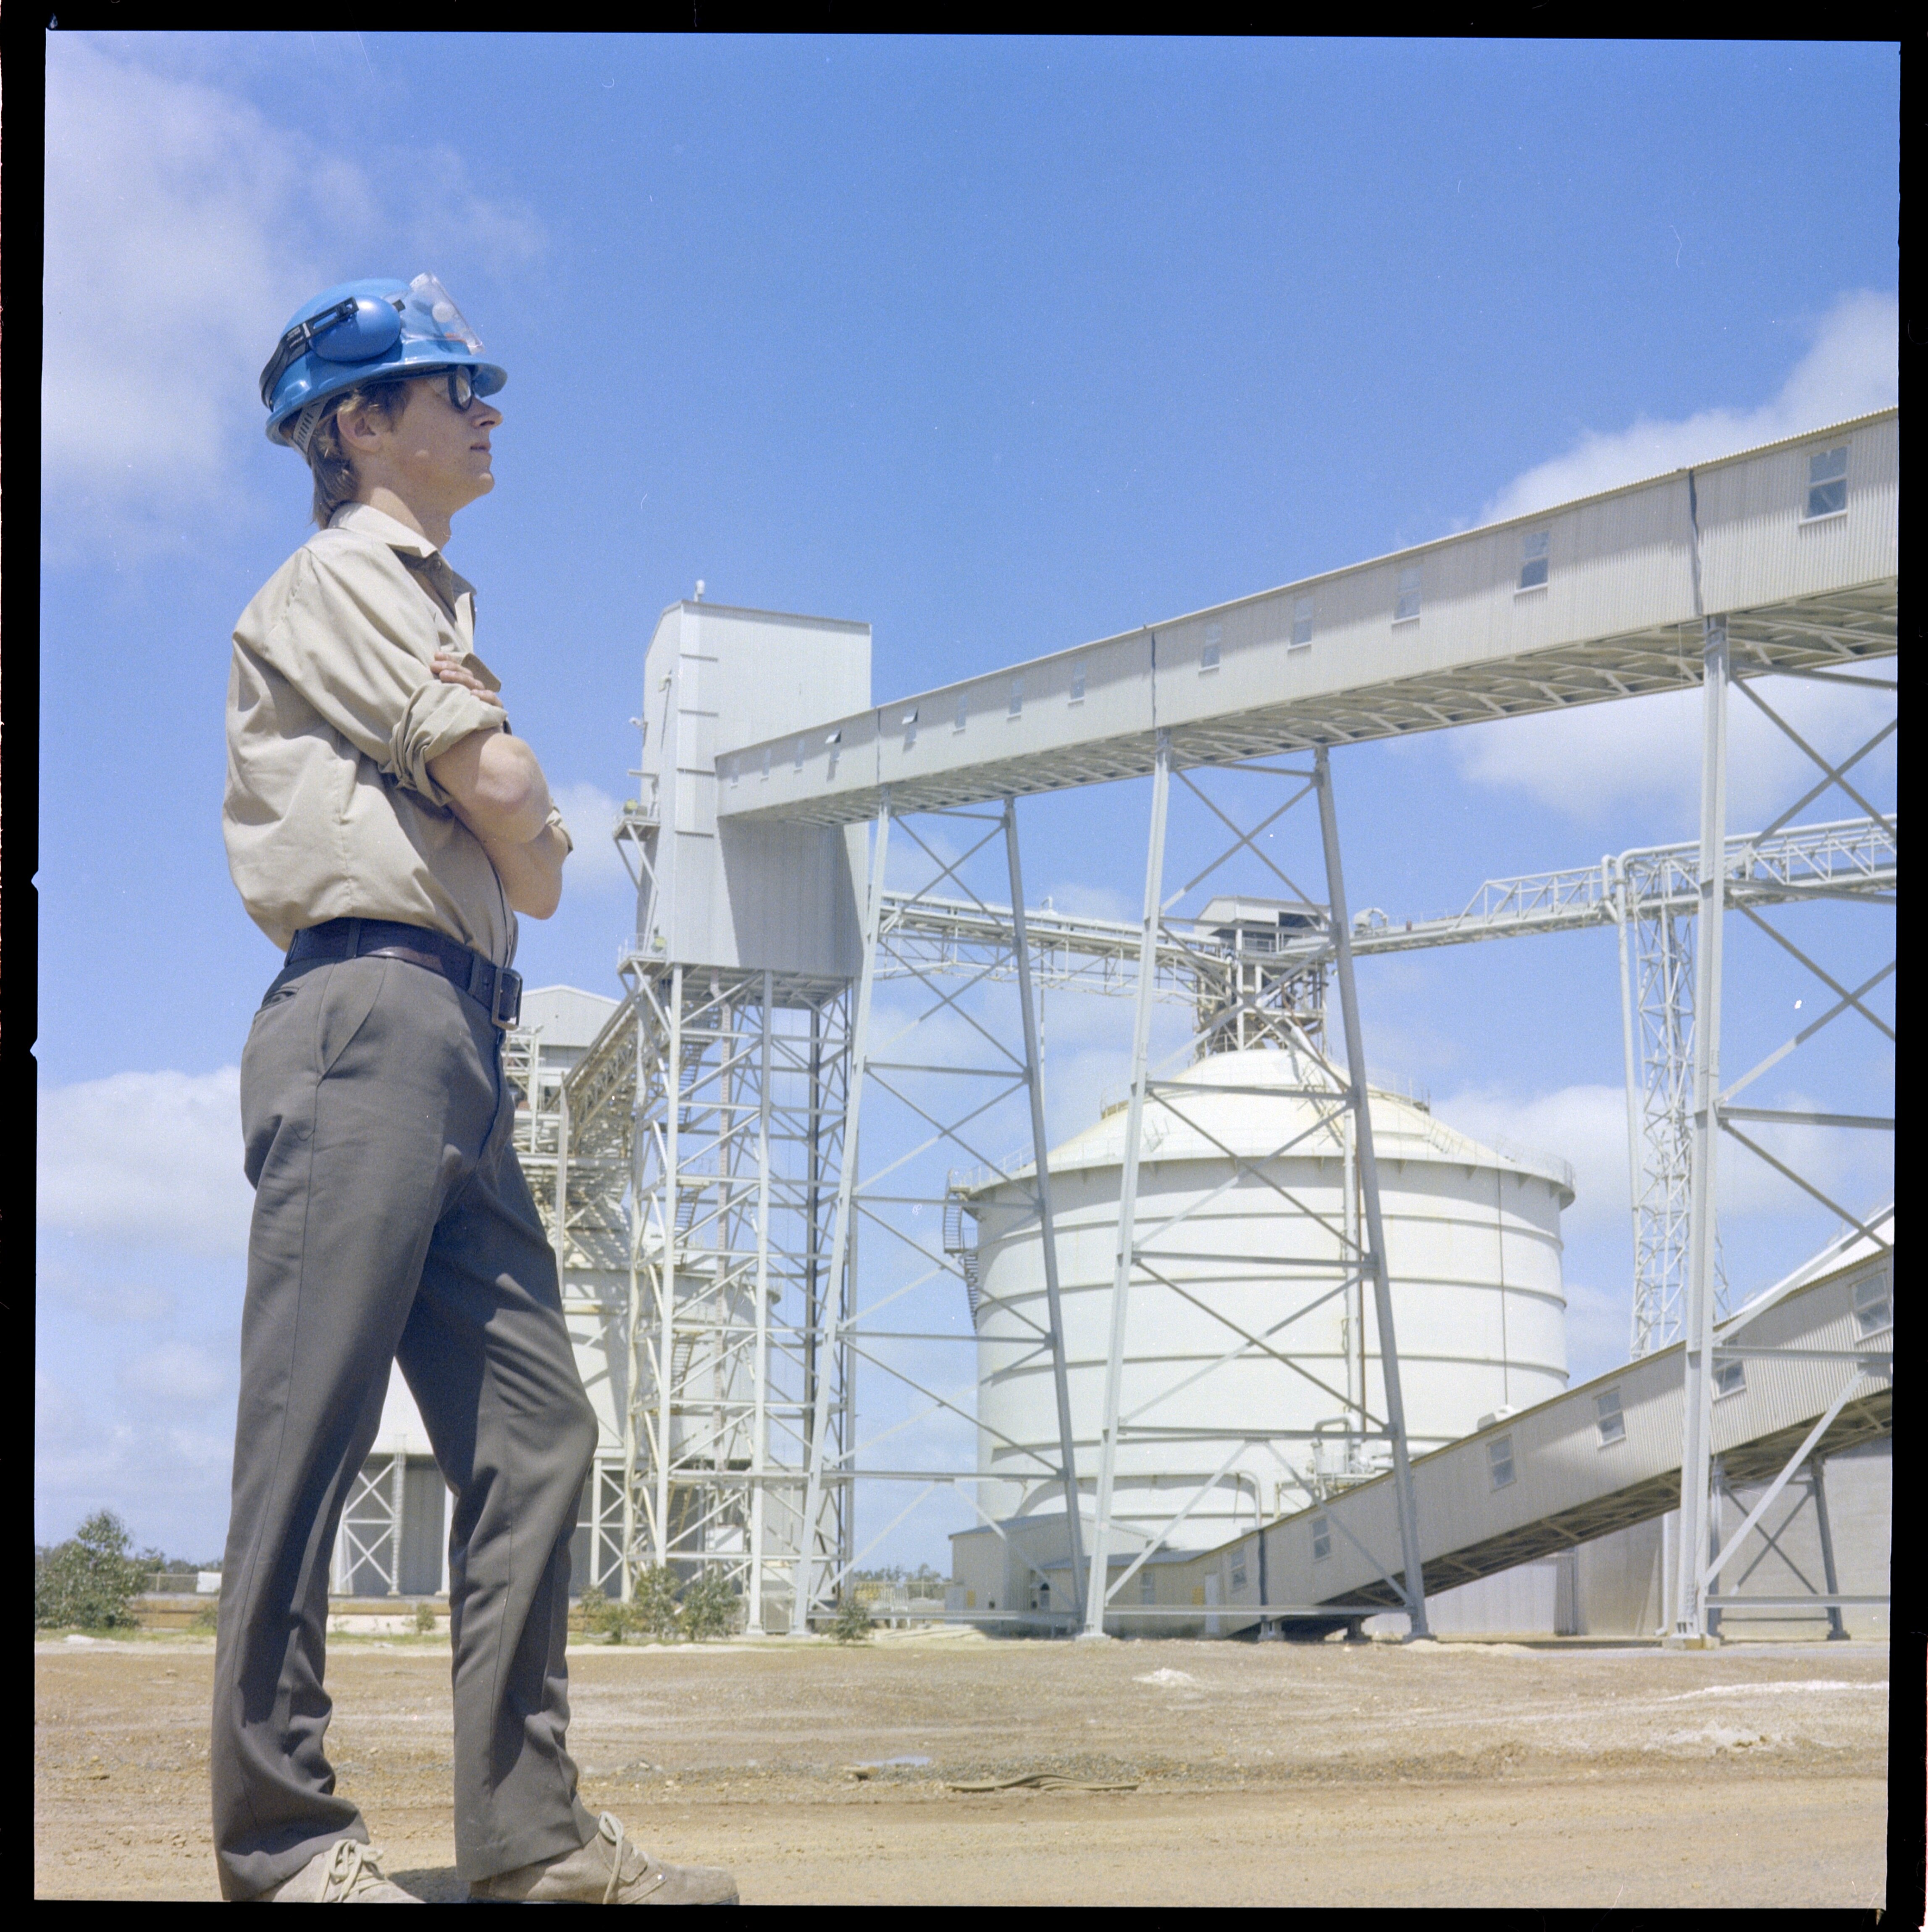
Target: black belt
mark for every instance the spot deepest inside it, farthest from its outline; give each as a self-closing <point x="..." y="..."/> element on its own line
<point x="495" y="988"/>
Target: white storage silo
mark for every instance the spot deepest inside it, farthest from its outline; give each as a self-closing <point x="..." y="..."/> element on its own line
<point x="1473" y="1248"/>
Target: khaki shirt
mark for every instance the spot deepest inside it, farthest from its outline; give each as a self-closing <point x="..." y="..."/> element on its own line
<point x="333" y="716"/>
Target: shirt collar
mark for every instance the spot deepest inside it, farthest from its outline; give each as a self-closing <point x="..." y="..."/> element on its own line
<point x="378" y="523"/>
<point x="415" y="550"/>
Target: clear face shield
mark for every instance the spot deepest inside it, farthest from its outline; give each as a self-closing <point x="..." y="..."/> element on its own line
<point x="429" y="309"/>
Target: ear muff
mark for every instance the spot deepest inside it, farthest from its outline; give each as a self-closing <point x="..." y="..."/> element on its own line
<point x="373" y="329"/>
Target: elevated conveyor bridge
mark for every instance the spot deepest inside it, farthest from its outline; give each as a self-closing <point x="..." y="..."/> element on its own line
<point x="1806" y="1372"/>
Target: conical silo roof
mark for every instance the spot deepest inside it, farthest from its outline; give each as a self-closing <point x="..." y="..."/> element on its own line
<point x="1250" y="1104"/>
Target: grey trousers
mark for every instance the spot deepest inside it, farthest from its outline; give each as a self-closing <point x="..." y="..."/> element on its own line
<point x="393" y="1223"/>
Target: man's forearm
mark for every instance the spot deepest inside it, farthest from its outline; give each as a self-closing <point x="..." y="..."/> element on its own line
<point x="496" y="785"/>
<point x="531" y="873"/>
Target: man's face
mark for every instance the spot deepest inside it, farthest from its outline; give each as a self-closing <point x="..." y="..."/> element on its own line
<point x="433" y="453"/>
<point x="445" y="449"/>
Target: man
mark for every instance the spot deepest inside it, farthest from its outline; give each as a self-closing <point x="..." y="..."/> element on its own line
<point x="385" y="828"/>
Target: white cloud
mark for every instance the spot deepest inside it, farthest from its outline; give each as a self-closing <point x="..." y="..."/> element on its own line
<point x="183" y="227"/>
<point x="590" y="813"/>
<point x="170" y="264"/>
<point x="1850" y="369"/>
<point x="176" y="1373"/>
<point x="1584" y="1125"/>
<point x="1587" y="1126"/>
<point x="1582" y="762"/>
<point x="153" y="1158"/>
<point x="1647" y="750"/>
<point x="168" y="1483"/>
<point x="1598" y="1329"/>
<point x="113" y="1302"/>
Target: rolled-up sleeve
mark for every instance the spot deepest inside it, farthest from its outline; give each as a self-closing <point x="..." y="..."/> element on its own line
<point x="431" y="724"/>
<point x="357" y="640"/>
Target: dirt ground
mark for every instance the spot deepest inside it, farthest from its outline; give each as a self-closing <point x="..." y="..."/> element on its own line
<point x="1331" y="1774"/>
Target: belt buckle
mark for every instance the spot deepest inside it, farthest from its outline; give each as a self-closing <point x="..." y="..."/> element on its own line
<point x="506" y="1008"/>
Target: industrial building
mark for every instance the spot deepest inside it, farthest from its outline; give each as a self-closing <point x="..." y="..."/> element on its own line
<point x="1259" y="1305"/>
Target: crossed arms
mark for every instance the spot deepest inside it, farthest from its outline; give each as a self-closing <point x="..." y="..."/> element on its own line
<point x="498" y="791"/>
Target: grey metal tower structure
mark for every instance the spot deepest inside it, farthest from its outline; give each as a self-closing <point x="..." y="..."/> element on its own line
<point x="714" y="1127"/>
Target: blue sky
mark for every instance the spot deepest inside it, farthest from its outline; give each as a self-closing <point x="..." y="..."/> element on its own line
<point x="998" y="345"/>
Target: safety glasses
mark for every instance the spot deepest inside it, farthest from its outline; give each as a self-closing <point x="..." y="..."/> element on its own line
<point x="461" y="385"/>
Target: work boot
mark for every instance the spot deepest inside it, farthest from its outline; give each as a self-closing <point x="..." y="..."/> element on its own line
<point x="609" y="1870"/>
<point x="347" y="1873"/>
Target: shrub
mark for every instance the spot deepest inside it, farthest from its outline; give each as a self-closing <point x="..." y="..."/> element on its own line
<point x="90" y="1579"/>
<point x="852" y="1620"/>
<point x="708" y="1607"/>
<point x="603" y="1616"/>
<point x="651" y="1610"/>
<point x="424" y="1619"/>
<point x="652" y="1602"/>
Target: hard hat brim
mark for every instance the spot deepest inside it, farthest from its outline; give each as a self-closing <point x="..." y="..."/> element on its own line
<point x="488" y="378"/>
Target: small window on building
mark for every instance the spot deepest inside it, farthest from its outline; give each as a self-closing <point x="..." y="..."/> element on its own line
<point x="1827" y="483"/>
<point x="1077" y="684"/>
<point x="1147" y="1585"/>
<point x="963" y="711"/>
<point x="1533" y="560"/>
<point x="910" y="729"/>
<point x="766" y="761"/>
<point x="802" y="745"/>
<point x="1613" y="1423"/>
<point x="1499" y="1461"/>
<point x="736" y="772"/>
<point x="1873" y="1309"/>
<point x="1729" y="1378"/>
<point x="1238" y="1571"/>
<point x="1321" y="1538"/>
<point x="1408" y="605"/>
<point x="1302" y="623"/>
<point x="1208" y="657"/>
<point x="1017" y="697"/>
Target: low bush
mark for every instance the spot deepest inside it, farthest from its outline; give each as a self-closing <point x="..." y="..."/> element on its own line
<point x="90" y="1581"/>
<point x="708" y="1607"/>
<point x="853" y="1621"/>
<point x="651" y="1610"/>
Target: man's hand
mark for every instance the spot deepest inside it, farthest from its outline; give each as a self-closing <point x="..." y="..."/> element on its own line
<point x="453" y="670"/>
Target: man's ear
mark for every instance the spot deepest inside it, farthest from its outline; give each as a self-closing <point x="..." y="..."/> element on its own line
<point x="358" y="432"/>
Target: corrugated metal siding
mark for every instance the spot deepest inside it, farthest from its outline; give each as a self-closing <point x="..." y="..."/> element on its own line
<point x="565" y="1016"/>
<point x="1757" y="549"/>
<point x="1620" y="567"/>
<point x="773" y="894"/>
<point x="1559" y="1461"/>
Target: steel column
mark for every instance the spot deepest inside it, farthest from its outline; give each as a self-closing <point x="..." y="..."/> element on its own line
<point x="1697" y="1428"/>
<point x="398" y="1485"/>
<point x="1621" y="898"/>
<point x="562" y="1166"/>
<point x="639" y="1089"/>
<point x="760" y="1442"/>
<point x="672" y="1208"/>
<point x="1837" y="1631"/>
<point x="1368" y="1173"/>
<point x="1047" y="1228"/>
<point x="841" y="1242"/>
<point x="1127" y="1197"/>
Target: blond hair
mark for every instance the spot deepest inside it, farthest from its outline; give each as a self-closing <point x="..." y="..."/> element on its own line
<point x="385" y="398"/>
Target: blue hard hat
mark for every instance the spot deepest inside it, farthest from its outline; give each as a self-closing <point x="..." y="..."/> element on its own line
<point x="360" y="331"/>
